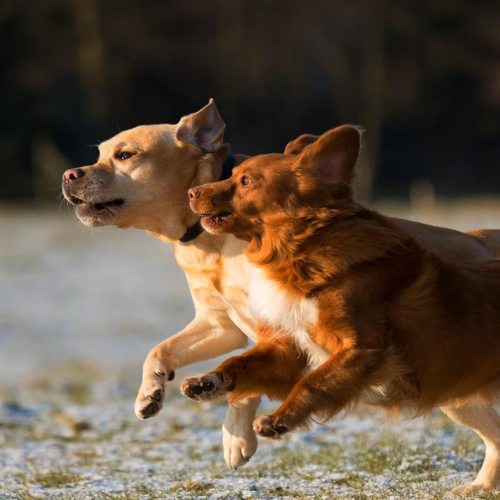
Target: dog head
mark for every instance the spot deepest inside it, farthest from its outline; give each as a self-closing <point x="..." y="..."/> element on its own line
<point x="142" y="174"/>
<point x="266" y="189"/>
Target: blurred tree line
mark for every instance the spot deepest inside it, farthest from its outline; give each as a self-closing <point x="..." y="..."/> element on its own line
<point x="422" y="76"/>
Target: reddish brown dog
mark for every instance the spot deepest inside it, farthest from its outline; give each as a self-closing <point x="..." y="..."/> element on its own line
<point x="351" y="307"/>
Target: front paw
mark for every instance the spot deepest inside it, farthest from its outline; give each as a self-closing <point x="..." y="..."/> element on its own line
<point x="149" y="401"/>
<point x="209" y="387"/>
<point x="270" y="427"/>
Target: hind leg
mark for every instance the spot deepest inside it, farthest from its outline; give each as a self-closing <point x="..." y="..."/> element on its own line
<point x="485" y="421"/>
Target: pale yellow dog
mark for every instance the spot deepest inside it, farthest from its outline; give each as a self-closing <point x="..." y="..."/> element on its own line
<point x="141" y="180"/>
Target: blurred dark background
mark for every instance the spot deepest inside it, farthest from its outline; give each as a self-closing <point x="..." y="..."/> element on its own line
<point x="423" y="77"/>
<point x="80" y="308"/>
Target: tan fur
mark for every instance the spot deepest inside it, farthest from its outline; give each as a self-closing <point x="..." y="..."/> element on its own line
<point x="153" y="185"/>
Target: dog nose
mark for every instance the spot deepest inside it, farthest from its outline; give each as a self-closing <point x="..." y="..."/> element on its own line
<point x="73" y="174"/>
<point x="193" y="193"/>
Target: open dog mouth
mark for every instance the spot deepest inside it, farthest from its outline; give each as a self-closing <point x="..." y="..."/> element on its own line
<point x="96" y="206"/>
<point x="214" y="221"/>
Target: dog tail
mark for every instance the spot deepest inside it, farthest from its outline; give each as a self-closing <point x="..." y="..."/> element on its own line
<point x="490" y="238"/>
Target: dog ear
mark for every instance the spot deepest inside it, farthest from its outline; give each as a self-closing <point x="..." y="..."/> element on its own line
<point x="203" y="129"/>
<point x="333" y="156"/>
<point x="295" y="147"/>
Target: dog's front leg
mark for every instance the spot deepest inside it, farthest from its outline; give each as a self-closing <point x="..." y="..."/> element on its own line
<point x="323" y="392"/>
<point x="271" y="368"/>
<point x="204" y="338"/>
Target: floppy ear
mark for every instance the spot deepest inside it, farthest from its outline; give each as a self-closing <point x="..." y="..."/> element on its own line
<point x="295" y="147"/>
<point x="333" y="156"/>
<point x="204" y="129"/>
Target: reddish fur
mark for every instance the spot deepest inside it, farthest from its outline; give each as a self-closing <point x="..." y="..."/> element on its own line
<point x="390" y="313"/>
<point x="274" y="358"/>
<point x="296" y="146"/>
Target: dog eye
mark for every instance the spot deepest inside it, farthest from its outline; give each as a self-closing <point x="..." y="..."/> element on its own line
<point x="245" y="180"/>
<point x="124" y="155"/>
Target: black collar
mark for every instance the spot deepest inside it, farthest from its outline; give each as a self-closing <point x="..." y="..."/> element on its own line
<point x="196" y="229"/>
<point x="192" y="232"/>
<point x="227" y="167"/>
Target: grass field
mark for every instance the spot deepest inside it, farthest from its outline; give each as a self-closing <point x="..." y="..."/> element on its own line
<point x="86" y="443"/>
<point x="79" y="310"/>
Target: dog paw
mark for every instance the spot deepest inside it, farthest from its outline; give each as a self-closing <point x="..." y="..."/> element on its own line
<point x="269" y="427"/>
<point x="210" y="387"/>
<point x="240" y="446"/>
<point x="471" y="490"/>
<point x="149" y="401"/>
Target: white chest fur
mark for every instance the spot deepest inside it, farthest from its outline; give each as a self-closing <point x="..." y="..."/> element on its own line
<point x="270" y="304"/>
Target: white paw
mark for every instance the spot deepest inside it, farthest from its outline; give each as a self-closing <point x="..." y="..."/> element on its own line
<point x="240" y="445"/>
